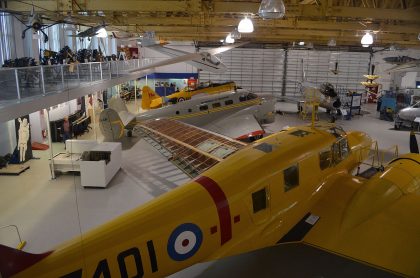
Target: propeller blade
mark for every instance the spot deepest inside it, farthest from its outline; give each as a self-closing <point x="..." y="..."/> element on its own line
<point x="414" y="147"/>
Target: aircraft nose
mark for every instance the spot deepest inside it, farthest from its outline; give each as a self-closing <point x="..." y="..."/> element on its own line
<point x="360" y="142"/>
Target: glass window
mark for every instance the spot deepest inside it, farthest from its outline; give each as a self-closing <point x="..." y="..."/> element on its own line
<point x="291" y="177"/>
<point x="189" y="110"/>
<point x="251" y="96"/>
<point x="215" y="105"/>
<point x="203" y="107"/>
<point x="259" y="200"/>
<point x="336" y="153"/>
<point x="344" y="148"/>
<point x="242" y="98"/>
<point x="228" y="102"/>
<point x="177" y="112"/>
<point x="325" y="158"/>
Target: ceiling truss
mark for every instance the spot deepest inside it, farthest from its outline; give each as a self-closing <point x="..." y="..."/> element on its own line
<point x="316" y="21"/>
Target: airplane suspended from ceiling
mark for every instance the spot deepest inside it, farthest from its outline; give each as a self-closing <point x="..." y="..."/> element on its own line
<point x="280" y="189"/>
<point x="35" y="21"/>
<point x="398" y="60"/>
<point x="127" y="37"/>
<point x="203" y="60"/>
<point x="92" y="32"/>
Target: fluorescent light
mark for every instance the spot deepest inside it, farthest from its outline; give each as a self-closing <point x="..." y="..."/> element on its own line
<point x="235" y="34"/>
<point x="102" y="33"/>
<point x="246" y="26"/>
<point x="366" y="40"/>
<point x="301" y="43"/>
<point x="271" y="9"/>
<point x="229" y="39"/>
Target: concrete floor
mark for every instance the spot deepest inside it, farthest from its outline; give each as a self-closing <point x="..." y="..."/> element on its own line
<point x="49" y="212"/>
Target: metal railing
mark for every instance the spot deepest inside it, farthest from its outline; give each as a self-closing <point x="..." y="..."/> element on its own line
<point x="22" y="243"/>
<point x="17" y="84"/>
<point x="377" y="157"/>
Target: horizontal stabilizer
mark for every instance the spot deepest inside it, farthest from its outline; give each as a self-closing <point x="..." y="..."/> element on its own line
<point x="13" y="261"/>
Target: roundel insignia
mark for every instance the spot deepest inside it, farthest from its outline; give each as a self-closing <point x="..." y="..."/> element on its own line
<point x="184" y="241"/>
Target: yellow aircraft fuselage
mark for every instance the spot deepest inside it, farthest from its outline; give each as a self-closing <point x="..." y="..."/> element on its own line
<point x="248" y="201"/>
<point x="186" y="94"/>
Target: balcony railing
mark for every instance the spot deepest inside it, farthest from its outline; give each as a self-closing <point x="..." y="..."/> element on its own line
<point x="16" y="84"/>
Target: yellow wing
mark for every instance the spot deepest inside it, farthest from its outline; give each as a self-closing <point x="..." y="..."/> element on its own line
<point x="376" y="221"/>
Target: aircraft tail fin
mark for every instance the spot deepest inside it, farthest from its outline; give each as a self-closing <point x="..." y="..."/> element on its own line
<point x="111" y="125"/>
<point x="13" y="261"/>
<point x="147" y="95"/>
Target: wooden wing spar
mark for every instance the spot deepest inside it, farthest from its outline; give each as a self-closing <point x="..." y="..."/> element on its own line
<point x="192" y="149"/>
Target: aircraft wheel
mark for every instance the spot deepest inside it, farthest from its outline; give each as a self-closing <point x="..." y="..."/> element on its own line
<point x="181" y="99"/>
<point x="397" y="126"/>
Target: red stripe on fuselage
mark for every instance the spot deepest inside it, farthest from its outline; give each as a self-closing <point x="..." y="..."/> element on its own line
<point x="222" y="205"/>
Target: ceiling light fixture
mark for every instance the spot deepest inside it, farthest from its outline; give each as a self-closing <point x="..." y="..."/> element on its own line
<point x="367" y="40"/>
<point x="102" y="33"/>
<point x="246" y="26"/>
<point x="229" y="39"/>
<point x="271" y="9"/>
<point x="301" y="43"/>
<point x="235" y="34"/>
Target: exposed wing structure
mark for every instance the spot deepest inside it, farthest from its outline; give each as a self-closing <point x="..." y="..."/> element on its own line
<point x="190" y="148"/>
<point x="375" y="221"/>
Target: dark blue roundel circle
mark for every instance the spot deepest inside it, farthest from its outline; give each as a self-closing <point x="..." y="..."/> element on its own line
<point x="184" y="241"/>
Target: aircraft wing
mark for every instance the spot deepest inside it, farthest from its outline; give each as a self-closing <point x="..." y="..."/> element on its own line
<point x="409" y="66"/>
<point x="375" y="221"/>
<point x="238" y="126"/>
<point x="225" y="48"/>
<point x="175" y="60"/>
<point x="192" y="149"/>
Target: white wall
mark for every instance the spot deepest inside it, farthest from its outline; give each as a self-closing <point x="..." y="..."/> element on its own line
<point x="7" y="137"/>
<point x="389" y="80"/>
<point x="63" y="110"/>
<point x="37" y="121"/>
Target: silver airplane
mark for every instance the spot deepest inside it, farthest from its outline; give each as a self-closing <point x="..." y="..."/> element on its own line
<point x="237" y="115"/>
<point x="407" y="116"/>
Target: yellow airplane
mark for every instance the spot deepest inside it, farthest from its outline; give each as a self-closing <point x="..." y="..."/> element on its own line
<point x="151" y="100"/>
<point x="248" y="197"/>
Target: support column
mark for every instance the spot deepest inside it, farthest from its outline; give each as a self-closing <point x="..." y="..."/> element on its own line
<point x="283" y="87"/>
<point x="47" y="119"/>
<point x="135" y="96"/>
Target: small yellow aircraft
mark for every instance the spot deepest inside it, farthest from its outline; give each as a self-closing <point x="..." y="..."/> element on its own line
<point x="151" y="100"/>
<point x="248" y="197"/>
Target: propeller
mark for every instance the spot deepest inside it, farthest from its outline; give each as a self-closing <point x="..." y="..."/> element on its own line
<point x="414" y="147"/>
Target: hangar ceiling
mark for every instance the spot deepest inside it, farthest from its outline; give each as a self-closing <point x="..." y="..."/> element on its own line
<point x="317" y="21"/>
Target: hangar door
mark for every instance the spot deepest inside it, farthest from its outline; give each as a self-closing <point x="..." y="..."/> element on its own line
<point x="257" y="70"/>
<point x="261" y="70"/>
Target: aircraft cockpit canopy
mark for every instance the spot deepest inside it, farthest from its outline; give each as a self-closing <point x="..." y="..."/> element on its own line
<point x="211" y="59"/>
<point x="248" y="96"/>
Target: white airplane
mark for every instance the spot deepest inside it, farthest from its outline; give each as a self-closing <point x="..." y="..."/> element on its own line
<point x="203" y="60"/>
<point x="237" y="115"/>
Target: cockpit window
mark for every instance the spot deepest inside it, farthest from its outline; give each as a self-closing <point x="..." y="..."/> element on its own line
<point x="251" y="96"/>
<point x="340" y="150"/>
